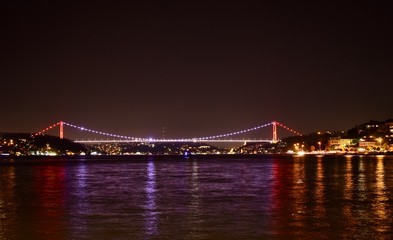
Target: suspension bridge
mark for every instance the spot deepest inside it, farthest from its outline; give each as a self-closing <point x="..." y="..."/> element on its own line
<point x="220" y="138"/>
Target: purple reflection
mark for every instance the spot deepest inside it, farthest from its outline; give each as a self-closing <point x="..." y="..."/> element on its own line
<point x="81" y="176"/>
<point x="195" y="198"/>
<point x="82" y="207"/>
<point x="150" y="206"/>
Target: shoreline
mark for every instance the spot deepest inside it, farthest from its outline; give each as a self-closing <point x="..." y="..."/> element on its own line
<point x="200" y="156"/>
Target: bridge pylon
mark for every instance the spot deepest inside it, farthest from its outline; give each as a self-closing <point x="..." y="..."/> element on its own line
<point x="274" y="123"/>
<point x="61" y="134"/>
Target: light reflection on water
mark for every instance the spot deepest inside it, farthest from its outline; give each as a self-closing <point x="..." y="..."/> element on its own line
<point x="194" y="206"/>
<point x="361" y="186"/>
<point x="81" y="207"/>
<point x="348" y="197"/>
<point x="381" y="198"/>
<point x="298" y="193"/>
<point x="8" y="206"/>
<point x="330" y="197"/>
<point x="150" y="206"/>
<point x="319" y="193"/>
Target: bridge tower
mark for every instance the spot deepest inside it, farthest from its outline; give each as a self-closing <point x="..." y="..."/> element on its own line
<point x="61" y="134"/>
<point x="274" y="123"/>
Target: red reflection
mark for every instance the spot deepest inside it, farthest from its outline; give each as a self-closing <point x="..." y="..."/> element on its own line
<point x="281" y="201"/>
<point x="7" y="202"/>
<point x="49" y="186"/>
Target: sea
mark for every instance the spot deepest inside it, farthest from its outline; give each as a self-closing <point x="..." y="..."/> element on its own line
<point x="199" y="197"/>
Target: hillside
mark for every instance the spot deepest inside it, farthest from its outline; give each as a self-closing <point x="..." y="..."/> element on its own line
<point x="21" y="144"/>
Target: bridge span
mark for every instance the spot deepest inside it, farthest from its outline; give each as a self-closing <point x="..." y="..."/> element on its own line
<point x="219" y="138"/>
<point x="175" y="141"/>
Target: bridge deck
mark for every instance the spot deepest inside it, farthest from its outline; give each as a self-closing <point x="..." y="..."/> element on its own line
<point x="173" y="141"/>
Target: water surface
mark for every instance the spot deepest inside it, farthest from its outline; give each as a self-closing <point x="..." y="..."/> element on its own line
<point x="264" y="197"/>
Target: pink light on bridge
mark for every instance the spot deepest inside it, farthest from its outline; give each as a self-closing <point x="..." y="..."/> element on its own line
<point x="61" y="134"/>
<point x="274" y="123"/>
<point x="206" y="138"/>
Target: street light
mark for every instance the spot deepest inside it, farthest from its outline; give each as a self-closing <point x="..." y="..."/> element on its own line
<point x="319" y="144"/>
<point x="296" y="146"/>
<point x="379" y="140"/>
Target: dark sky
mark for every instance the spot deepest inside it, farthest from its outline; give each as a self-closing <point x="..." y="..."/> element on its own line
<point x="194" y="67"/>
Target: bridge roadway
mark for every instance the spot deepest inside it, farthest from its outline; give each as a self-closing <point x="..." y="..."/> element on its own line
<point x="174" y="141"/>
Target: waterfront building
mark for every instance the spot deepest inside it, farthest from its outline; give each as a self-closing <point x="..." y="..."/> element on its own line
<point x="338" y="143"/>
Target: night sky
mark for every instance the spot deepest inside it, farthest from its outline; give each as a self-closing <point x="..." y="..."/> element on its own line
<point x="196" y="68"/>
